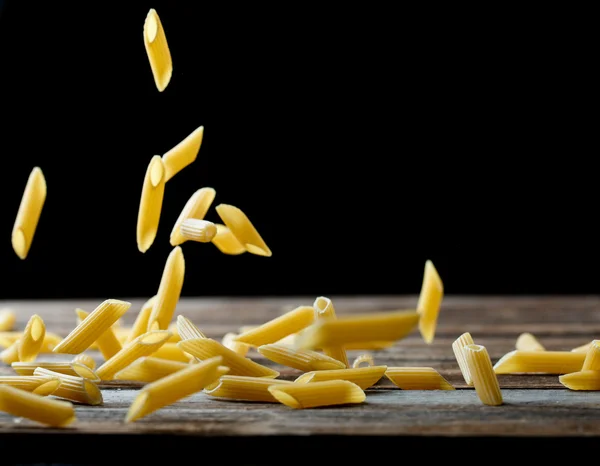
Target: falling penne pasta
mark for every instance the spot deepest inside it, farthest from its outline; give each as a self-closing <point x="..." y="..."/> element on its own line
<point x="153" y="191"/>
<point x="205" y="348"/>
<point x="86" y="360"/>
<point x="315" y="394"/>
<point x="528" y="342"/>
<point x="592" y="357"/>
<point x="73" y="368"/>
<point x="157" y="49"/>
<point x="94" y="325"/>
<point x="38" y="408"/>
<point x="174" y="387"/>
<point x="325" y="311"/>
<point x="187" y="330"/>
<point x="140" y="325"/>
<point x="27" y="383"/>
<point x="107" y="342"/>
<point x="346" y="330"/>
<point x="29" y="213"/>
<point x="430" y="300"/>
<point x="239" y="387"/>
<point x="33" y="338"/>
<point x="243" y="230"/>
<point x="365" y="358"/>
<point x="7" y="320"/>
<point x="144" y="345"/>
<point x="169" y="291"/>
<point x="301" y="359"/>
<point x="485" y="379"/>
<point x="582" y="348"/>
<point x="581" y="380"/>
<point x="229" y="341"/>
<point x="196" y="207"/>
<point x="417" y="378"/>
<point x="364" y="377"/>
<point x="172" y="352"/>
<point x="149" y="369"/>
<point x="543" y="362"/>
<point x="226" y="242"/>
<point x="73" y="388"/>
<point x="182" y="154"/>
<point x="458" y="347"/>
<point x="201" y="231"/>
<point x="279" y="327"/>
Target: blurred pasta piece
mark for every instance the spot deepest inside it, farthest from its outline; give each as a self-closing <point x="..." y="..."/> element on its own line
<point x="364" y="377"/>
<point x="363" y="359"/>
<point x="417" y="378"/>
<point x="38" y="408"/>
<point x="239" y="387"/>
<point x="301" y="359"/>
<point x="7" y="319"/>
<point x="149" y="369"/>
<point x="528" y="342"/>
<point x="588" y="380"/>
<point x="430" y="301"/>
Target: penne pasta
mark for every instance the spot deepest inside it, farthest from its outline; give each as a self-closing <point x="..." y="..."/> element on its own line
<point x="172" y="352"/>
<point x="325" y="310"/>
<point x="201" y="231"/>
<point x="543" y="362"/>
<point x="582" y="348"/>
<point x="7" y="319"/>
<point x="581" y="380"/>
<point x="187" y="330"/>
<point x="363" y="359"/>
<point x="33" y="338"/>
<point x="182" y="154"/>
<point x="174" y="387"/>
<point x="229" y="341"/>
<point x="73" y="368"/>
<point x="430" y="300"/>
<point x="592" y="357"/>
<point x="226" y="242"/>
<point x="38" y="408"/>
<point x="94" y="325"/>
<point x="153" y="191"/>
<point x="86" y="360"/>
<point x="157" y="50"/>
<point x="527" y="342"/>
<point x="364" y="377"/>
<point x="10" y="354"/>
<point x="174" y="333"/>
<point x="301" y="359"/>
<point x="149" y="369"/>
<point x="205" y="348"/>
<point x="243" y="230"/>
<point x="144" y="345"/>
<point x="369" y="327"/>
<point x="107" y="342"/>
<point x="169" y="291"/>
<point x="27" y="383"/>
<point x="29" y="213"/>
<point x="50" y="342"/>
<point x="279" y="327"/>
<point x="196" y="207"/>
<point x="485" y="379"/>
<point x="458" y="348"/>
<point x="73" y="388"/>
<point x="140" y="325"/>
<point x="315" y="394"/>
<point x="417" y="378"/>
<point x="239" y="387"/>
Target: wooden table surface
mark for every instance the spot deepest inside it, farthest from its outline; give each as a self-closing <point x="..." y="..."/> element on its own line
<point x="536" y="407"/>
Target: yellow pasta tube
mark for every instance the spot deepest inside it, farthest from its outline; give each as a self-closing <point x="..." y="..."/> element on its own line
<point x="458" y="348"/>
<point x="243" y="230"/>
<point x="430" y="300"/>
<point x="153" y="191"/>
<point x="174" y="333"/>
<point x="363" y="359"/>
<point x="183" y="154"/>
<point x="144" y="345"/>
<point x="369" y="345"/>
<point x="364" y="377"/>
<point x="528" y="342"/>
<point x="8" y="338"/>
<point x="92" y="327"/>
<point x="279" y="327"/>
<point x="325" y="310"/>
<point x="581" y="380"/>
<point x="86" y="360"/>
<point x="239" y="387"/>
<point x="229" y="341"/>
<point x="485" y="380"/>
<point x="7" y="319"/>
<point x="592" y="357"/>
<point x="545" y="362"/>
<point x="301" y="359"/>
<point x="169" y="291"/>
<point x="140" y="325"/>
<point x="187" y="330"/>
<point x="196" y="207"/>
<point x="157" y="49"/>
<point x="172" y="352"/>
<point x="175" y="387"/>
<point x="73" y="388"/>
<point x="27" y="383"/>
<point x="226" y="242"/>
<point x="50" y="342"/>
<point x="417" y="378"/>
<point x="205" y="348"/>
<point x="38" y="408"/>
<point x="107" y="342"/>
<point x="582" y="348"/>
<point x="149" y="369"/>
<point x="32" y="339"/>
<point x="73" y="368"/>
<point x="201" y="231"/>
<point x="29" y="213"/>
<point x="369" y="327"/>
<point x="10" y="354"/>
<point x="315" y="394"/>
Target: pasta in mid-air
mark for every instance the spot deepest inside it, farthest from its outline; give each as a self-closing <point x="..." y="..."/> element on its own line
<point x="157" y="50"/>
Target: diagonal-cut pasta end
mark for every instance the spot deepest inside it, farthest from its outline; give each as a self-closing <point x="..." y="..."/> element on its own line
<point x="19" y="243"/>
<point x="157" y="171"/>
<point x="47" y="388"/>
<point x="84" y="371"/>
<point x="93" y="392"/>
<point x="138" y="408"/>
<point x="326" y="365"/>
<point x="504" y="364"/>
<point x="254" y="249"/>
<point x="284" y="398"/>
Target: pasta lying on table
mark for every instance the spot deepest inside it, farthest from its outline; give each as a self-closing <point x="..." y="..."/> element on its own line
<point x="301" y="359"/>
<point x="430" y="301"/>
<point x="7" y="320"/>
<point x="364" y="377"/>
<point x="528" y="342"/>
<point x="325" y="311"/>
<point x="458" y="347"/>
<point x="592" y="357"/>
<point x="157" y="49"/>
<point x="73" y="368"/>
<point x="315" y="394"/>
<point x="149" y="369"/>
<point x="196" y="207"/>
<point x="582" y="348"/>
<point x="485" y="380"/>
<point x="107" y="342"/>
<point x="31" y="383"/>
<point x="239" y="387"/>
<point x="543" y="362"/>
<point x="153" y="191"/>
<point x="29" y="213"/>
<point x="174" y="387"/>
<point x="86" y="360"/>
<point x="73" y="388"/>
<point x="169" y="291"/>
<point x="243" y="229"/>
<point x="417" y="378"/>
<point x="38" y="408"/>
<point x="226" y="242"/>
<point x="182" y="154"/>
<point x="581" y="380"/>
<point x="187" y="330"/>
<point x="201" y="231"/>
<point x="140" y="325"/>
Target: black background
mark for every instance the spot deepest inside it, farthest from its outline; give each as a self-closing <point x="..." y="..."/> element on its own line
<point x="360" y="142"/>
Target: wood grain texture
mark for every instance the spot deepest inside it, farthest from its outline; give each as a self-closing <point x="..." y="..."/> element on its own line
<point x="535" y="405"/>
